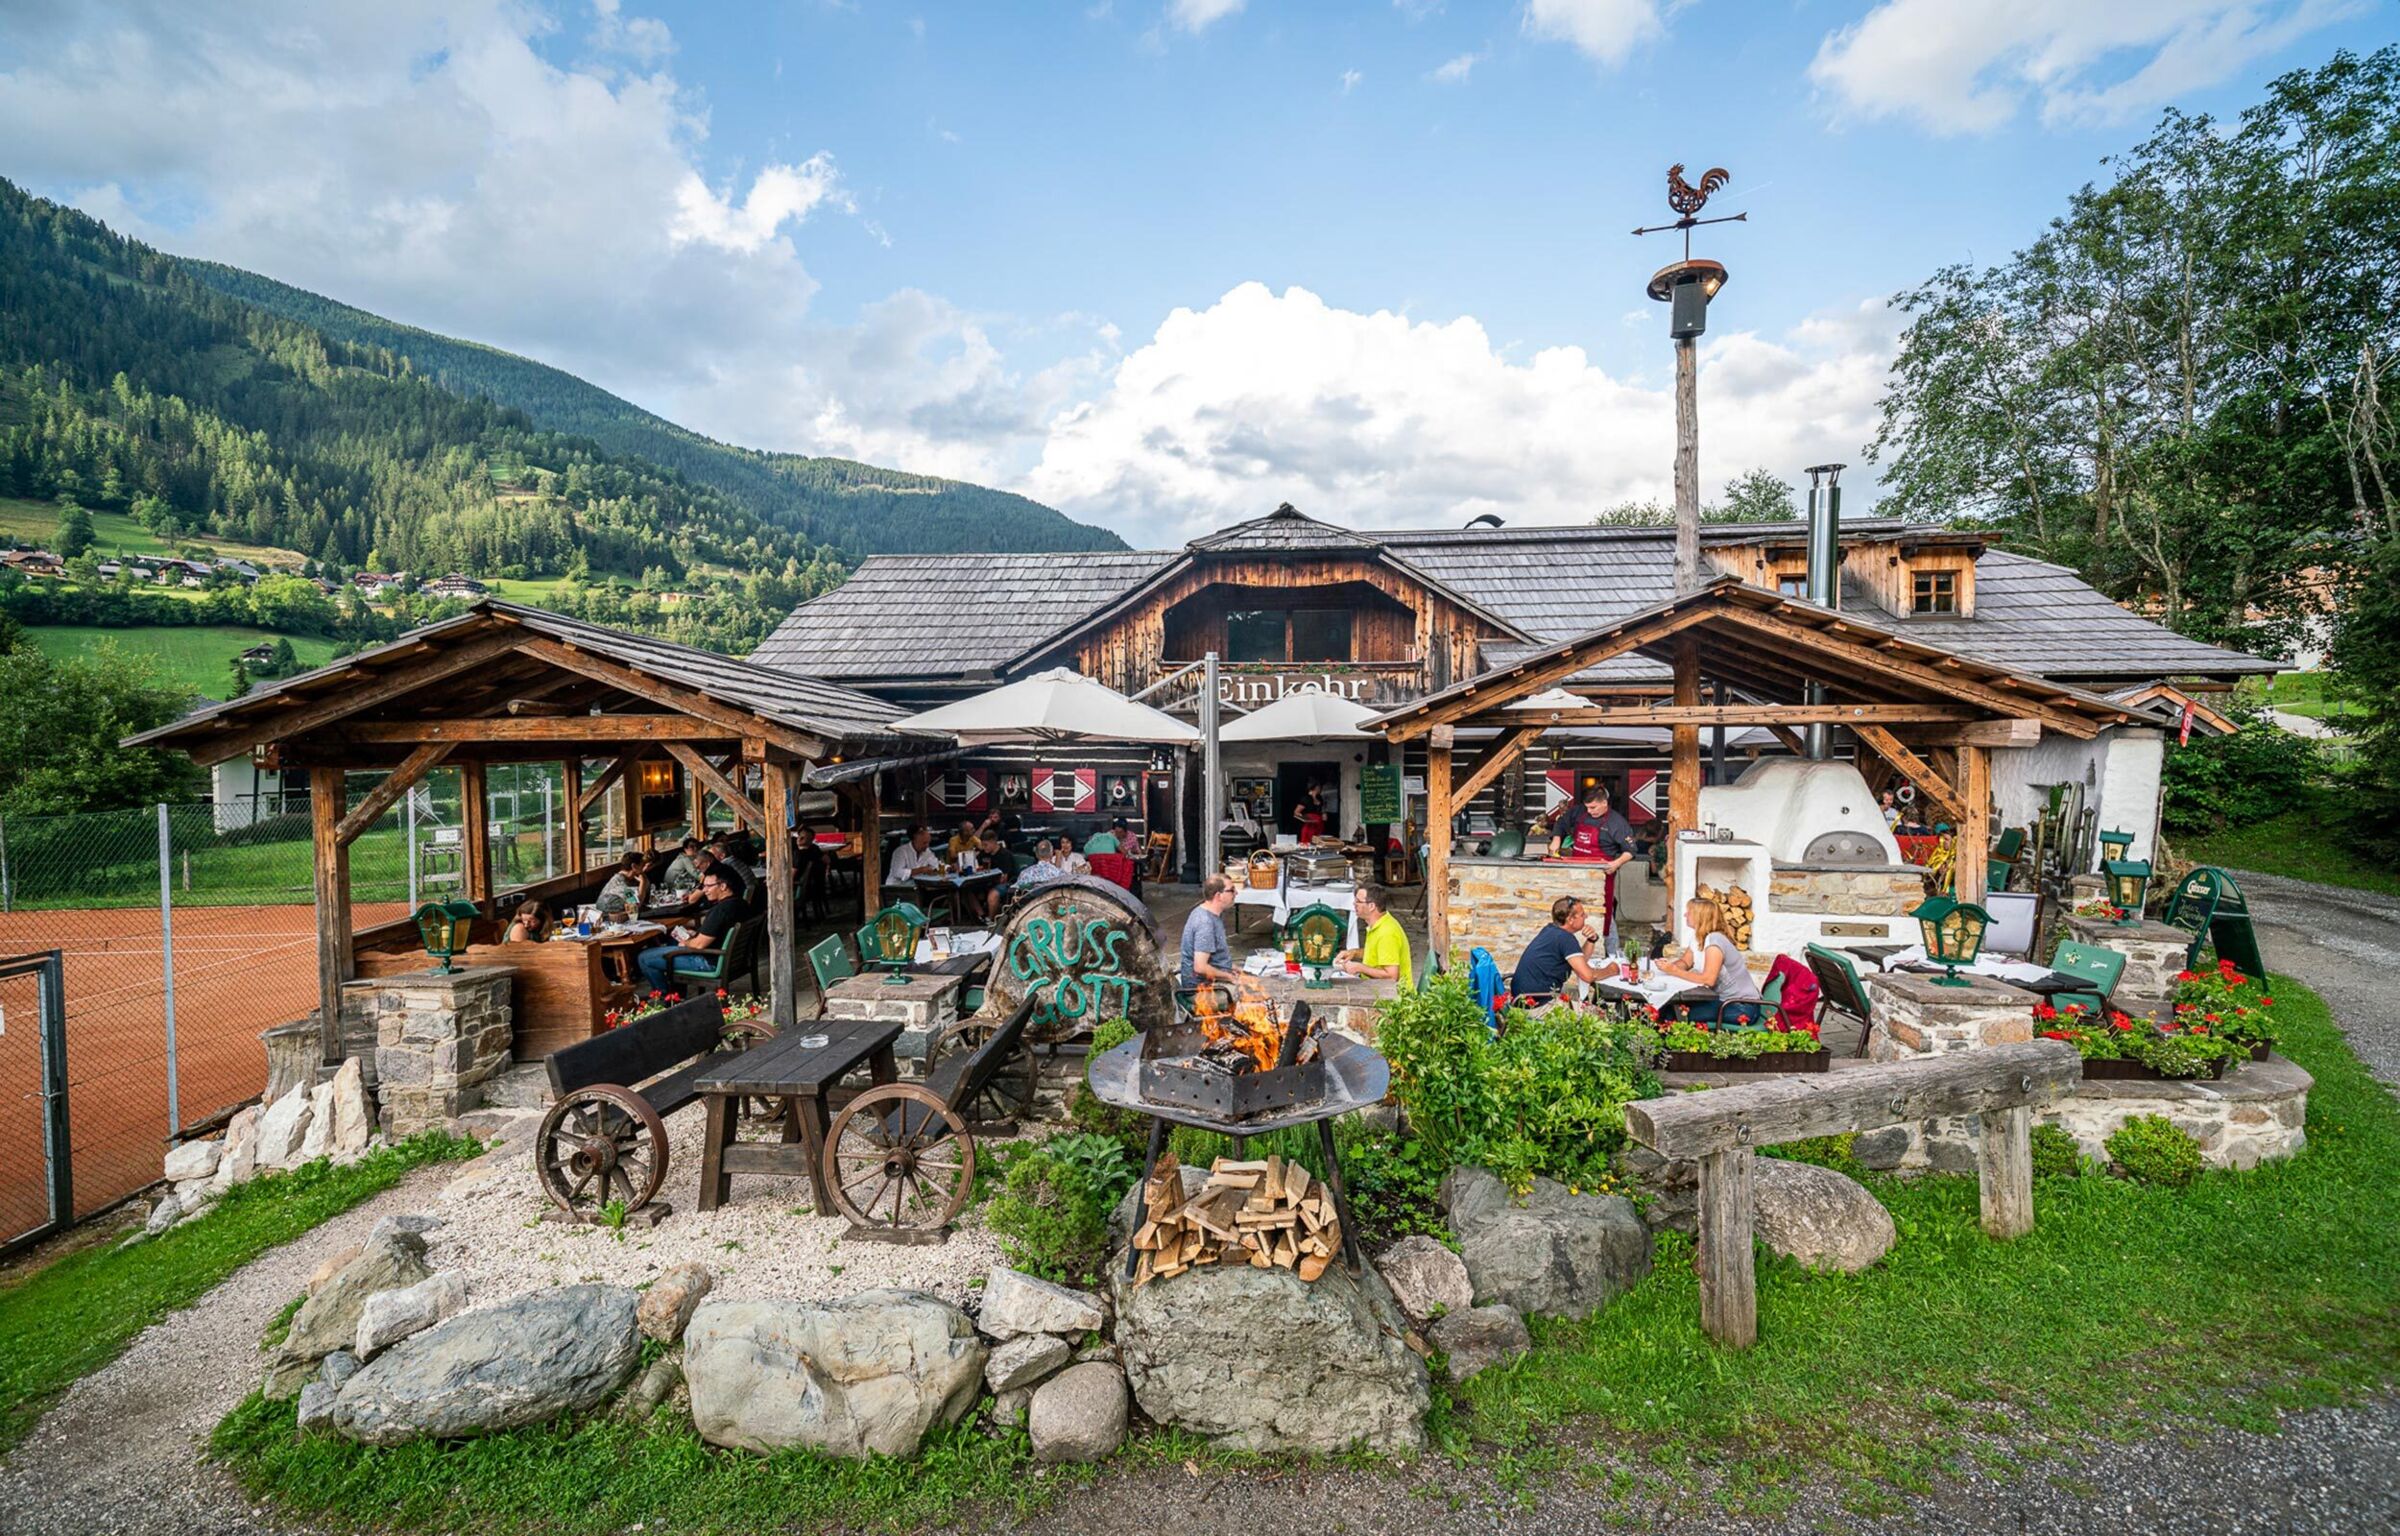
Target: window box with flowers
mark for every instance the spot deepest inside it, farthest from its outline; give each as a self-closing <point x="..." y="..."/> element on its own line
<point x="2117" y="1045"/>
<point x="2225" y="1002"/>
<point x="1689" y="1045"/>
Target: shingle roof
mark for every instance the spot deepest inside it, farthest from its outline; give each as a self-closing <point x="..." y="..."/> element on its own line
<point x="1549" y="583"/>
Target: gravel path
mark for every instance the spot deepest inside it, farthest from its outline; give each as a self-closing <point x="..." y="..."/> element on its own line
<point x="2345" y="944"/>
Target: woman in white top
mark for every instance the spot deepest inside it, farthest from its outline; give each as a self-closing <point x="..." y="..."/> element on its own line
<point x="1714" y="961"/>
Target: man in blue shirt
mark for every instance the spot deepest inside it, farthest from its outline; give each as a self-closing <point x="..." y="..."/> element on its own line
<point x="1207" y="953"/>
<point x="1562" y="949"/>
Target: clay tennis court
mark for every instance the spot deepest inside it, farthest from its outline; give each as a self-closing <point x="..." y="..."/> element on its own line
<point x="238" y="970"/>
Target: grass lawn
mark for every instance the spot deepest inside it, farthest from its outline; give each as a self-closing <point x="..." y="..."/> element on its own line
<point x="70" y="1318"/>
<point x="36" y="522"/>
<point x="2128" y="1308"/>
<point x="2306" y="693"/>
<point x="2309" y="843"/>
<point x="197" y="657"/>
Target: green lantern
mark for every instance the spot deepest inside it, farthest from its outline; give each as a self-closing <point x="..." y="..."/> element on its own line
<point x="1314" y="937"/>
<point x="891" y="940"/>
<point x="1953" y="935"/>
<point x="2128" y="888"/>
<point x="445" y="927"/>
<point x="2114" y="846"/>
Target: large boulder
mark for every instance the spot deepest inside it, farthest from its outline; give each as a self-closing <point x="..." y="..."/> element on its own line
<point x="1427" y="1279"/>
<point x="282" y="1128"/>
<point x="1262" y="1360"/>
<point x="193" y="1160"/>
<point x="317" y="1139"/>
<point x="1478" y="1338"/>
<point x="522" y="1362"/>
<point x="1824" y="1219"/>
<point x="390" y="1316"/>
<point x="1079" y="1414"/>
<point x="1015" y="1304"/>
<point x="852" y="1375"/>
<point x="328" y="1320"/>
<point x="239" y="1159"/>
<point x="352" y="1118"/>
<point x="1555" y="1254"/>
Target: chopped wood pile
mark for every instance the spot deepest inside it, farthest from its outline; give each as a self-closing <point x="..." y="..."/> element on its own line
<point x="1262" y="1213"/>
<point x="1734" y="902"/>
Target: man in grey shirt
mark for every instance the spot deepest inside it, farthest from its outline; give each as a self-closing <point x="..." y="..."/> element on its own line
<point x="1207" y="954"/>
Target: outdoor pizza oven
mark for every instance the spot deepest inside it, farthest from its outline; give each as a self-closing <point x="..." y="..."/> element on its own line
<point x="1804" y="812"/>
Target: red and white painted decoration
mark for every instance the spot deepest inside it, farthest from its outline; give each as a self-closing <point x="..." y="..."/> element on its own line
<point x="965" y="790"/>
<point x="1066" y="789"/>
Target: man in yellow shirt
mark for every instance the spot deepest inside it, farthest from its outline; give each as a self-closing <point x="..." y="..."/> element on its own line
<point x="1384" y="949"/>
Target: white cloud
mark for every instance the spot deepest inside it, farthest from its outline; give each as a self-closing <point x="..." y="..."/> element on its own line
<point x="1604" y="30"/>
<point x="1199" y="15"/>
<point x="1350" y="79"/>
<point x="1455" y="71"/>
<point x="778" y="194"/>
<point x="1970" y="66"/>
<point x="1382" y="421"/>
<point x="640" y="38"/>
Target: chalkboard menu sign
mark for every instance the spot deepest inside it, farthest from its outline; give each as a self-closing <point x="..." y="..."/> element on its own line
<point x="1379" y="793"/>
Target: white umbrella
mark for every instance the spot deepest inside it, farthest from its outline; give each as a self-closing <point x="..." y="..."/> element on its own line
<point x="1310" y="716"/>
<point x="1058" y="705"/>
<point x="1552" y="698"/>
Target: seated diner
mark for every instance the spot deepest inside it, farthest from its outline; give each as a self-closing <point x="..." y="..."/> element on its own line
<point x="693" y="942"/>
<point x="912" y="855"/>
<point x="1715" y="962"/>
<point x="627" y="889"/>
<point x="1560" y="952"/>
<point x="530" y="924"/>
<point x="1383" y="953"/>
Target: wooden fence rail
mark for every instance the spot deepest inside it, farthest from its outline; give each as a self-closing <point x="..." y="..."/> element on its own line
<point x="1720" y="1129"/>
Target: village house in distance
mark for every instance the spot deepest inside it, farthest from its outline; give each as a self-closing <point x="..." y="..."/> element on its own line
<point x="1292" y="603"/>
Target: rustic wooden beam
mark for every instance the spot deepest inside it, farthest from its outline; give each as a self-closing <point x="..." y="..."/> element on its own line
<point x="561" y="729"/>
<point x="738" y="723"/>
<point x="870" y="864"/>
<point x="2000" y="733"/>
<point x="571" y="795"/>
<point x="335" y="954"/>
<point x="1912" y="767"/>
<point x="1790" y="739"/>
<point x="1974" y="822"/>
<point x="1683" y="767"/>
<point x="2004" y="1169"/>
<point x="1731" y="715"/>
<point x="1727" y="1264"/>
<point x="368" y="691"/>
<point x="1939" y="677"/>
<point x="612" y="774"/>
<point x="783" y="932"/>
<point x="1438" y="745"/>
<point x="711" y="779"/>
<point x="387" y="794"/>
<point x="1494" y="760"/>
<point x="475" y="832"/>
<point x="1532" y="678"/>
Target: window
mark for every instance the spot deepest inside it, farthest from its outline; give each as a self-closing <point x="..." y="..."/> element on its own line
<point x="1934" y="592"/>
<point x="1255" y="634"/>
<point x="1321" y="634"/>
<point x="1792" y="586"/>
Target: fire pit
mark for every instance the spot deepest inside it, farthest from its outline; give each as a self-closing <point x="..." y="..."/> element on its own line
<point x="1235" y="1068"/>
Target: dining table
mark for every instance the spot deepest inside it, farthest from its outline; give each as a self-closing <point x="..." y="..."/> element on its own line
<point x="951" y="889"/>
<point x="2048" y="984"/>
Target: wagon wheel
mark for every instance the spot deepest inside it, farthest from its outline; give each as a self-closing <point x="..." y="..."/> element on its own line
<point x="897" y="1156"/>
<point x="601" y="1144"/>
<point x="1008" y="1096"/>
<point x="744" y="1035"/>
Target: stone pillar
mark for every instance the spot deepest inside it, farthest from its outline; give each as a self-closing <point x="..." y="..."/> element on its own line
<point x="437" y="1038"/>
<point x="2153" y="956"/>
<point x="1916" y="1016"/>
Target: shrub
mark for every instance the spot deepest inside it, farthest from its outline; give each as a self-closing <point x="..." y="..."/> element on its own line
<point x="2255" y="773"/>
<point x="1051" y="1210"/>
<point x="1825" y="1151"/>
<point x="1545" y="1096"/>
<point x="2056" y="1154"/>
<point x="2151" y="1149"/>
<point x="1088" y="1114"/>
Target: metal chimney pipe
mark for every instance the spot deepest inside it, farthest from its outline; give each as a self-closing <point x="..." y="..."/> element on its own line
<point x="1824" y="574"/>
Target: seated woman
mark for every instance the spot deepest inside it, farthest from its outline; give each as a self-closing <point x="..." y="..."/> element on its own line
<point x="627" y="889"/>
<point x="530" y="925"/>
<point x="1716" y="962"/>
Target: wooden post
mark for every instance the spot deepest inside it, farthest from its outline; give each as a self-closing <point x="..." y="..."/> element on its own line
<point x="326" y="794"/>
<point x="870" y="864"/>
<point x="475" y="831"/>
<point x="571" y="792"/>
<point x="1975" y="822"/>
<point x="696" y="793"/>
<point x="783" y="933"/>
<point x="1438" y="744"/>
<point x="2004" y="1165"/>
<point x="1687" y="469"/>
<point x="1683" y="767"/>
<point x="1728" y="1268"/>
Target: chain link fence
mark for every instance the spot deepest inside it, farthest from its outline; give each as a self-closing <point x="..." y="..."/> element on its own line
<point x="187" y="930"/>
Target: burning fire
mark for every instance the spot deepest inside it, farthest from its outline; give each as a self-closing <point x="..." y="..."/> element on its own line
<point x="1249" y="1027"/>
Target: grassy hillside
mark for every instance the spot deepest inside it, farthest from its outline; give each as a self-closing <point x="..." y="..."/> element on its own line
<point x="33" y="522"/>
<point x="197" y="658"/>
<point x="856" y="507"/>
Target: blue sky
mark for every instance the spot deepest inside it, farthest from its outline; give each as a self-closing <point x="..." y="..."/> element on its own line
<point x="1161" y="263"/>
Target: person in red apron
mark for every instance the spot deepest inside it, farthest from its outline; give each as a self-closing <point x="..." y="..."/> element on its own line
<point x="1593" y="831"/>
<point x="1308" y="816"/>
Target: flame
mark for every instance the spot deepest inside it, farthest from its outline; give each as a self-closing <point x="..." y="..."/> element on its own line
<point x="1250" y="1026"/>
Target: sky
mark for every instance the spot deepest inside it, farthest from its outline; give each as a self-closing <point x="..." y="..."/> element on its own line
<point x="1161" y="264"/>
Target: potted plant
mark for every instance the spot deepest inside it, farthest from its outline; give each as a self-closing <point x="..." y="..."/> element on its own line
<point x="2228" y="1003"/>
<point x="2117" y="1045"/>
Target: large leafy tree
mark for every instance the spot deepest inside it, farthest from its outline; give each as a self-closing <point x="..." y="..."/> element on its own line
<point x="60" y="722"/>
<point x="2177" y="387"/>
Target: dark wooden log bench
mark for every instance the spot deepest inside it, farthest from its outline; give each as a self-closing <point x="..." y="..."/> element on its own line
<point x="1721" y="1129"/>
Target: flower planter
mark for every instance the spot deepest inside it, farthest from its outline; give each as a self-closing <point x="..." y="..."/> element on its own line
<point x="2122" y="1070"/>
<point x="2260" y="1050"/>
<point x="1818" y="1060"/>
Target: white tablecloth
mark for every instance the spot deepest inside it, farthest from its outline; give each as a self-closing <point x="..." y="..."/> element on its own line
<point x="1657" y="991"/>
<point x="1983" y="965"/>
<point x="1285" y="900"/>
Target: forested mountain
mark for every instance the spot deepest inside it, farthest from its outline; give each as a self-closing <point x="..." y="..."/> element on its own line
<point x="855" y="507"/>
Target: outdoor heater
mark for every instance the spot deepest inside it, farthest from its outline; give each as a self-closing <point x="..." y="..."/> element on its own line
<point x="1953" y="935"/>
<point x="444" y="927"/>
<point x="2128" y="888"/>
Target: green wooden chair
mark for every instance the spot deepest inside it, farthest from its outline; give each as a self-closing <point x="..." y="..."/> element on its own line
<point x="2087" y="962"/>
<point x="890" y="939"/>
<point x="1839" y="990"/>
<point x="829" y="959"/>
<point x="1319" y="933"/>
<point x="2004" y="856"/>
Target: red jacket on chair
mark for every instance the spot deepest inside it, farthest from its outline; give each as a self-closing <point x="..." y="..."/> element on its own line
<point x="1115" y="868"/>
<point x="1798" y="1005"/>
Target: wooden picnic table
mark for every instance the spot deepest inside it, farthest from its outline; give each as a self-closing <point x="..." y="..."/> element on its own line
<point x="803" y="1076"/>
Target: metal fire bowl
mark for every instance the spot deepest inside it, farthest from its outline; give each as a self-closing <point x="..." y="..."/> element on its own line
<point x="1355" y="1077"/>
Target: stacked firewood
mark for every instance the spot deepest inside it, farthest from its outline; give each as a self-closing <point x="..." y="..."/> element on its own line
<point x="1734" y="902"/>
<point x="1262" y="1213"/>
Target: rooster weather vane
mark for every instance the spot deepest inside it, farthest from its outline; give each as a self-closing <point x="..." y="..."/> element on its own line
<point x="1687" y="200"/>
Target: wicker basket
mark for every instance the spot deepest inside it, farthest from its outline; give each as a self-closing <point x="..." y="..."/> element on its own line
<point x="1265" y="871"/>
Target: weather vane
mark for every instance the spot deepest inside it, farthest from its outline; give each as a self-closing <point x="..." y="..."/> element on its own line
<point x="1688" y="200"/>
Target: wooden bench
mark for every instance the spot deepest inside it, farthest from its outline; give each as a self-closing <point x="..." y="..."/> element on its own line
<point x="605" y="1139"/>
<point x="1721" y="1129"/>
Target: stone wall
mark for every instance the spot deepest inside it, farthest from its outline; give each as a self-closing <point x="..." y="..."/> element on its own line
<point x="2153" y="955"/>
<point x="1916" y="1015"/>
<point x="437" y="1039"/>
<point x="1879" y="890"/>
<point x="1502" y="903"/>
